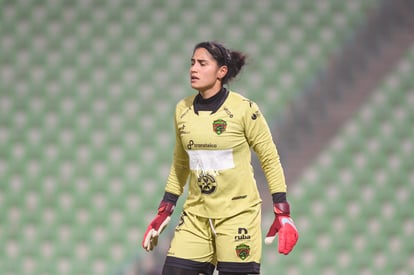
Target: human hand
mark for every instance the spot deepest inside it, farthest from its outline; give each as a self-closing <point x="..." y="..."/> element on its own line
<point x="284" y="225"/>
<point x="157" y="225"/>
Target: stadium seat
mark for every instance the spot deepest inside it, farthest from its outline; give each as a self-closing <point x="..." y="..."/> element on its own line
<point x="354" y="221"/>
<point x="87" y="95"/>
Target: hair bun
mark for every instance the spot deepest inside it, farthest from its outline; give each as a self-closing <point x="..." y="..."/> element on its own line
<point x="234" y="60"/>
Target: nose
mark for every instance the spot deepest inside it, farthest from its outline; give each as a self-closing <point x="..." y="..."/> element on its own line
<point x="193" y="69"/>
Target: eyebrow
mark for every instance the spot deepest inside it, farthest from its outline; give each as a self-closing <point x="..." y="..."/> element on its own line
<point x="199" y="60"/>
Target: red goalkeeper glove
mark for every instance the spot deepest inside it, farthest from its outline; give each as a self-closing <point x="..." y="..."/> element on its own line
<point x="283" y="224"/>
<point x="157" y="225"/>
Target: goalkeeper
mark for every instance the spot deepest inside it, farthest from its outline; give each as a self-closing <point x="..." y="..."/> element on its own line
<point x="220" y="225"/>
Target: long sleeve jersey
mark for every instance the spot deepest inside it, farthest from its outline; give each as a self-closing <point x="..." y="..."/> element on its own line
<point x="212" y="153"/>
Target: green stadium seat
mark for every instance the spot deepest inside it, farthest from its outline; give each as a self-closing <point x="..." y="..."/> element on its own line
<point x="369" y="196"/>
<point x="87" y="96"/>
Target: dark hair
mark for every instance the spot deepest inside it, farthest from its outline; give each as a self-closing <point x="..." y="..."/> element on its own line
<point x="234" y="60"/>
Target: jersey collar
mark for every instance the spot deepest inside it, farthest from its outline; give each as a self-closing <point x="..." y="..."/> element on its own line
<point x="210" y="104"/>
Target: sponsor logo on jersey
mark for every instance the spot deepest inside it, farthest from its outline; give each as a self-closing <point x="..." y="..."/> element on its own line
<point x="228" y="112"/>
<point x="239" y="197"/>
<point x="192" y="145"/>
<point x="185" y="112"/>
<point x="249" y="101"/>
<point x="219" y="126"/>
<point x="255" y="115"/>
<point x="182" y="130"/>
<point x="242" y="234"/>
<point x="243" y="251"/>
<point x="207" y="184"/>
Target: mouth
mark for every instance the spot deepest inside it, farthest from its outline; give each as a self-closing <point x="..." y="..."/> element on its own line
<point x="194" y="78"/>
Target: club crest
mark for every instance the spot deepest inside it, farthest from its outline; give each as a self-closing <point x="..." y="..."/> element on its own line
<point x="219" y="126"/>
<point x="243" y="251"/>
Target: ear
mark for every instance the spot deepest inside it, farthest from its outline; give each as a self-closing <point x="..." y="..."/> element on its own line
<point x="222" y="71"/>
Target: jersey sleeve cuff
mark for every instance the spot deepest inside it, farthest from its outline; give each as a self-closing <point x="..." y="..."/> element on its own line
<point x="170" y="197"/>
<point x="279" y="197"/>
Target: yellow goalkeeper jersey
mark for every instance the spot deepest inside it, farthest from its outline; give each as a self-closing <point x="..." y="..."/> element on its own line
<point x="212" y="153"/>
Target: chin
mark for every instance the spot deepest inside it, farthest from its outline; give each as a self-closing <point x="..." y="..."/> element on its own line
<point x="195" y="87"/>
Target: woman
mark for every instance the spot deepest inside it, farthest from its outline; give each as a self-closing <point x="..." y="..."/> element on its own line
<point x="221" y="220"/>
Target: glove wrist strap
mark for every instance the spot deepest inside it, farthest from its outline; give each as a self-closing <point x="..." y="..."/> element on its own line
<point x="166" y="207"/>
<point x="170" y="197"/>
<point x="282" y="208"/>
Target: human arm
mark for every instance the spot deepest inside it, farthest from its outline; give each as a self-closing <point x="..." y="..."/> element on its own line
<point x="261" y="141"/>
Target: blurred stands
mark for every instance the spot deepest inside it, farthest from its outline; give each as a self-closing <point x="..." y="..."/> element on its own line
<point x="339" y="88"/>
<point x="87" y="90"/>
<point x="352" y="205"/>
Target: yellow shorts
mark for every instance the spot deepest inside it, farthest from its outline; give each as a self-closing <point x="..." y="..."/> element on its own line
<point x="234" y="244"/>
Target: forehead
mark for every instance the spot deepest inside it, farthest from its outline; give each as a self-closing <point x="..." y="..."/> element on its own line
<point x="202" y="54"/>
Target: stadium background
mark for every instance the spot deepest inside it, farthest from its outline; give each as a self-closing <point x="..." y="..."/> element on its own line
<point x="87" y="95"/>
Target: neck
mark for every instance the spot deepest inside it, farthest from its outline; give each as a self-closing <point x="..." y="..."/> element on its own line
<point x="211" y="104"/>
<point x="205" y="94"/>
